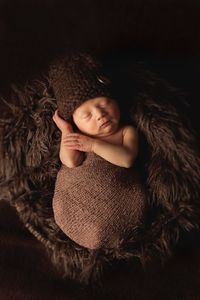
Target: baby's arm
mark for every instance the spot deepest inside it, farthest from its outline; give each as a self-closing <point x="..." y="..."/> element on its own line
<point x="70" y="158"/>
<point x="121" y="155"/>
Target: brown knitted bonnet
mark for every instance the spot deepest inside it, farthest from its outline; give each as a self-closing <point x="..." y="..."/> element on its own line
<point x="76" y="78"/>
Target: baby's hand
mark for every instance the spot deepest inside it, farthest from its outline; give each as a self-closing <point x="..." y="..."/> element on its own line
<point x="63" y="125"/>
<point x="69" y="158"/>
<point x="77" y="141"/>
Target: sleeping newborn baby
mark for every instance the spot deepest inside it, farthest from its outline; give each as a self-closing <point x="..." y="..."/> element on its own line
<point x="98" y="199"/>
<point x="98" y="120"/>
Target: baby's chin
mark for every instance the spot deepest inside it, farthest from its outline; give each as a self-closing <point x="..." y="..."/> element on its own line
<point x="109" y="130"/>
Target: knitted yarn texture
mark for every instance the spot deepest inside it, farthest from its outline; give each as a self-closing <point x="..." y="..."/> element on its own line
<point x="98" y="204"/>
<point x="75" y="79"/>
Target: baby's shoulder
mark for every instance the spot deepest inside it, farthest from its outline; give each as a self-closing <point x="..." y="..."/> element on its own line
<point x="129" y="129"/>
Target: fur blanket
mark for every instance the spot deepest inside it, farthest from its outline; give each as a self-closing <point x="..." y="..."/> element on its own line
<point x="169" y="160"/>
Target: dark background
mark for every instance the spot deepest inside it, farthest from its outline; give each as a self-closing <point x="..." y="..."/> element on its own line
<point x="164" y="34"/>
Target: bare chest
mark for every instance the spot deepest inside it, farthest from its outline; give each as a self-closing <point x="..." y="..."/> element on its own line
<point x="116" y="138"/>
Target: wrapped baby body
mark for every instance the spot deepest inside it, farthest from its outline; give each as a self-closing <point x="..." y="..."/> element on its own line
<point x="97" y="204"/>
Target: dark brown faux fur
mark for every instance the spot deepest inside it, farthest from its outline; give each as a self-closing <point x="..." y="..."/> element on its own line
<point x="29" y="146"/>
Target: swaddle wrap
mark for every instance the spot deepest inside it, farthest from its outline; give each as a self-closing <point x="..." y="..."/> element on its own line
<point x="97" y="204"/>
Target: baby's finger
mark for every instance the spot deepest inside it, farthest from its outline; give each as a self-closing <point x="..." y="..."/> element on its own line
<point x="77" y="135"/>
<point x="67" y="142"/>
<point x="74" y="147"/>
<point x="63" y="125"/>
<point x="59" y="119"/>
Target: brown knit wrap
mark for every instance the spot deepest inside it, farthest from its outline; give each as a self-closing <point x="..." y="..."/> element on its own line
<point x="76" y="78"/>
<point x="97" y="204"/>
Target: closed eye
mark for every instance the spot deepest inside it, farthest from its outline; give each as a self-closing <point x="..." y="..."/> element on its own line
<point x="86" y="116"/>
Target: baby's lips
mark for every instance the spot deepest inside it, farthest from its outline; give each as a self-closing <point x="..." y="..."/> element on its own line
<point x="104" y="123"/>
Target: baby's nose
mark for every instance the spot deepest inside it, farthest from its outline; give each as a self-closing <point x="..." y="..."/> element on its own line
<point x="100" y="113"/>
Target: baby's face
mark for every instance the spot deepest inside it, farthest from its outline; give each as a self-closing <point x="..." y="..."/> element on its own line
<point x="97" y="117"/>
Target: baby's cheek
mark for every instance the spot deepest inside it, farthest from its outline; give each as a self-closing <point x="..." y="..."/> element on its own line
<point x="117" y="112"/>
<point x="88" y="127"/>
<point x="113" y="112"/>
<point x="92" y="125"/>
<point x="84" y="126"/>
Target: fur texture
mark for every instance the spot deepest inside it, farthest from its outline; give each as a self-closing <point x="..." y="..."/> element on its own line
<point x="169" y="162"/>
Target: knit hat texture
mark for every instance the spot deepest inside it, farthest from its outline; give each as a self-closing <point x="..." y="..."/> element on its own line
<point x="76" y="78"/>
